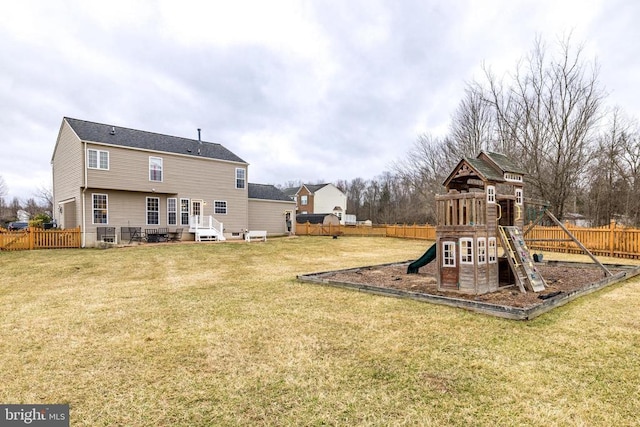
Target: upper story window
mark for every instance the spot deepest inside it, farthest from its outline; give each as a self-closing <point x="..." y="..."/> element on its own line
<point x="155" y="169"/>
<point x="304" y="200"/>
<point x="241" y="178"/>
<point x="491" y="194"/>
<point x="97" y="159"/>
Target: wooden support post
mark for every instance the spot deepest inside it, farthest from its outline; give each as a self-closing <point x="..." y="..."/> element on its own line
<point x="577" y="242"/>
<point x="612" y="230"/>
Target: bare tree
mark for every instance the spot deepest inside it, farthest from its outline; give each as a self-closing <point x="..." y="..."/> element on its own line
<point x="44" y="196"/>
<point x="629" y="163"/>
<point x="424" y="168"/>
<point x="472" y="124"/>
<point x="606" y="172"/>
<point x="549" y="113"/>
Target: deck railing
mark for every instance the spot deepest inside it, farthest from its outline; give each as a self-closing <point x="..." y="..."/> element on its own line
<point x="37" y="238"/>
<point x="205" y="221"/>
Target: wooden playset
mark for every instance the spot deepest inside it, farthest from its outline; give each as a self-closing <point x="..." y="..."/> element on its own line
<point x="480" y="213"/>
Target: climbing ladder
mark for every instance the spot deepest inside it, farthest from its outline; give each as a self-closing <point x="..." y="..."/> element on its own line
<point x="527" y="276"/>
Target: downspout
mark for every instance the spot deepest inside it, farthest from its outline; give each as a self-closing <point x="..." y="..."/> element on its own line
<point x="84" y="189"/>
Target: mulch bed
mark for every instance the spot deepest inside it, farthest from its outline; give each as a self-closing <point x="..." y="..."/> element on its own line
<point x="562" y="278"/>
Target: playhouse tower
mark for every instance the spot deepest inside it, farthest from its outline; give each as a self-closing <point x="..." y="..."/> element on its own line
<point x="482" y="211"/>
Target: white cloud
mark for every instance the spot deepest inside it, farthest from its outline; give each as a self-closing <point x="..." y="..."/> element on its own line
<point x="301" y="90"/>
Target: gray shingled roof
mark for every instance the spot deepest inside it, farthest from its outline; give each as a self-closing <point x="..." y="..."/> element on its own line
<point x="504" y="163"/>
<point x="314" y="187"/>
<point x="266" y="192"/>
<point x="125" y="137"/>
<point x="486" y="170"/>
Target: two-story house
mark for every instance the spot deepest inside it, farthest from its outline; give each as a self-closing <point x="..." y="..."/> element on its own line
<point x="106" y="175"/>
<point x="319" y="199"/>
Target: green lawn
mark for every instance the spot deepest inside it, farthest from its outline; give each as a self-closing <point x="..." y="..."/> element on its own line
<point x="223" y="334"/>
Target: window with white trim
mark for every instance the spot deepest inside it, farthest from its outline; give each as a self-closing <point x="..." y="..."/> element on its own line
<point x="482" y="250"/>
<point x="448" y="254"/>
<point x="153" y="210"/>
<point x="493" y="250"/>
<point x="155" y="169"/>
<point x="100" y="208"/>
<point x="184" y="211"/>
<point x="491" y="194"/>
<point x="304" y="199"/>
<point x="512" y="177"/>
<point x="172" y="211"/>
<point x="220" y="207"/>
<point x="97" y="159"/>
<point x="518" y="196"/>
<point x="241" y="178"/>
<point x="466" y="250"/>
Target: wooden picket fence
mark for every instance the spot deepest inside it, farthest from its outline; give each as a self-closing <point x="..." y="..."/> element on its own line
<point x="611" y="240"/>
<point x="36" y="238"/>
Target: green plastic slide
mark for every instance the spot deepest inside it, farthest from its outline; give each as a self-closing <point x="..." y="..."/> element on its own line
<point x="425" y="259"/>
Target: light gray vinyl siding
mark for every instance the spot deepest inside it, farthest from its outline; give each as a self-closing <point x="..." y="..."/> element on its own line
<point x="269" y="215"/>
<point x="127" y="184"/>
<point x="67" y="168"/>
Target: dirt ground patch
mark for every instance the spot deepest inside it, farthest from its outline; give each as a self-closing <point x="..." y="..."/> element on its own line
<point x="559" y="277"/>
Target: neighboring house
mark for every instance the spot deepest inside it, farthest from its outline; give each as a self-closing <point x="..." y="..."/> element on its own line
<point x="109" y="176"/>
<point x="320" y="199"/>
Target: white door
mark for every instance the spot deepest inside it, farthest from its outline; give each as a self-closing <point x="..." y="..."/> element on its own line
<point x="196" y="210"/>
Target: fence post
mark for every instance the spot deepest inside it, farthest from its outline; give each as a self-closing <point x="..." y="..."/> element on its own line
<point x="31" y="238"/>
<point x="612" y="230"/>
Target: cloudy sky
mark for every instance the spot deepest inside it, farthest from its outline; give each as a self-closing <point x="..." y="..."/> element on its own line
<point x="302" y="90"/>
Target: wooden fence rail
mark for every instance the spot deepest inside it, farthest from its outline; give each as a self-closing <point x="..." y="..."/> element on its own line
<point x="611" y="240"/>
<point x="36" y="238"/>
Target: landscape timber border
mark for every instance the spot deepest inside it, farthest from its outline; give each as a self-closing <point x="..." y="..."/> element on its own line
<point x="507" y="312"/>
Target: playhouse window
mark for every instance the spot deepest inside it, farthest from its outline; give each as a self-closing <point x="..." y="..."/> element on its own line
<point x="518" y="196"/>
<point x="491" y="194"/>
<point x="493" y="250"/>
<point x="482" y="250"/>
<point x="466" y="250"/>
<point x="448" y="254"/>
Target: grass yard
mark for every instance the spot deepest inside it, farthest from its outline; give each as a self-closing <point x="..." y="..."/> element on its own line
<point x="223" y="334"/>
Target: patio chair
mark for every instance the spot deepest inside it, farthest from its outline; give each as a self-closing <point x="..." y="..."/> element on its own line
<point x="176" y="236"/>
<point x="152" y="235"/>
<point x="163" y="234"/>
